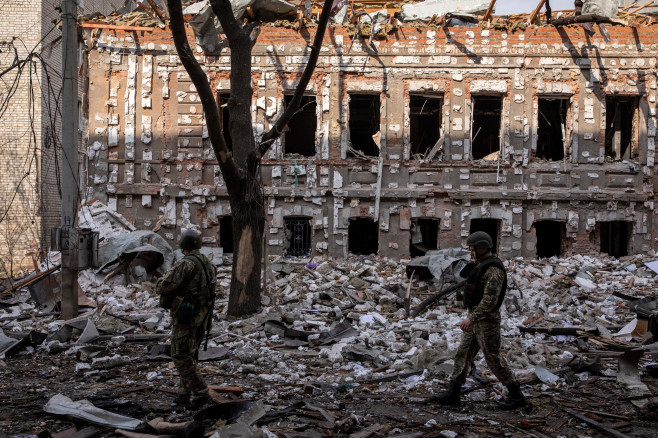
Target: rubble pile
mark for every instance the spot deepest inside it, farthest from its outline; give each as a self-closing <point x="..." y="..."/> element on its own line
<point x="333" y="347"/>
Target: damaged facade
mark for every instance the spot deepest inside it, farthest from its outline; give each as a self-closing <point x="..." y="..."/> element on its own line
<point x="406" y="143"/>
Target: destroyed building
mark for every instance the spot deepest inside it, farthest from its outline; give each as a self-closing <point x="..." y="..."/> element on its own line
<point x="410" y="138"/>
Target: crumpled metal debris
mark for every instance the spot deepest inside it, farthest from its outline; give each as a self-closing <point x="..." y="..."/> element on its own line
<point x="139" y="248"/>
<point x="84" y="410"/>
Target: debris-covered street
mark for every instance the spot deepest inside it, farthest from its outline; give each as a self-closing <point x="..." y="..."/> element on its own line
<point x="333" y="353"/>
<point x="337" y="165"/>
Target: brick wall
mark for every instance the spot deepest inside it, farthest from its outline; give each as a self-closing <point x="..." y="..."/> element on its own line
<point x="153" y="159"/>
<point x="30" y="129"/>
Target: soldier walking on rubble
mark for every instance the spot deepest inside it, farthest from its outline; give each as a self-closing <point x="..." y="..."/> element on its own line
<point x="188" y="289"/>
<point x="483" y="295"/>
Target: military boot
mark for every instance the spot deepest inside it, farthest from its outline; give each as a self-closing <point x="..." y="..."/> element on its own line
<point x="448" y="398"/>
<point x="182" y="401"/>
<point x="515" y="398"/>
<point x="199" y="401"/>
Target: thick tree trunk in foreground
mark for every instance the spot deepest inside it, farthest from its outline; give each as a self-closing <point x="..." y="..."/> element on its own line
<point x="241" y="171"/>
<point x="248" y="216"/>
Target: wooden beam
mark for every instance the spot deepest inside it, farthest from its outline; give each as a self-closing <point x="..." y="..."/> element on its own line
<point x="602" y="427"/>
<point x="157" y="11"/>
<point x="588" y="19"/>
<point x="29" y="281"/>
<point x="97" y="25"/>
<point x="487" y="15"/>
<point x="535" y="13"/>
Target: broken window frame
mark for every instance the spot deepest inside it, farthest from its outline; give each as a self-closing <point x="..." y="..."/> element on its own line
<point x="298" y="223"/>
<point x="563" y="236"/>
<point x="429" y="153"/>
<point x="376" y="229"/>
<point x="566" y="134"/>
<point x="634" y="135"/>
<point x="628" y="237"/>
<point x="350" y="150"/>
<point x="500" y="130"/>
<point x="418" y="231"/>
<point x="284" y="153"/>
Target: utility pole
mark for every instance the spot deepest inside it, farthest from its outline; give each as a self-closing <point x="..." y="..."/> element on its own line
<point x="70" y="192"/>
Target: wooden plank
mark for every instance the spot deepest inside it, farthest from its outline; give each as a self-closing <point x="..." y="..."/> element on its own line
<point x="29" y="281"/>
<point x="535" y="13"/>
<point x="222" y="388"/>
<point x="435" y="149"/>
<point x="96" y="25"/>
<point x="595" y="424"/>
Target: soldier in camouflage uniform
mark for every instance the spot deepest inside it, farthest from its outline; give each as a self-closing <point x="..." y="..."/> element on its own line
<point x="484" y="293"/>
<point x="188" y="290"/>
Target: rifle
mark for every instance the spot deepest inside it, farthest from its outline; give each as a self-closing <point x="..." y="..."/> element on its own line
<point x="211" y="290"/>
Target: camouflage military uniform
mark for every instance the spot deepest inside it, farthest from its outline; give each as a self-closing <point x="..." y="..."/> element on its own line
<point x="484" y="333"/>
<point x="187" y="280"/>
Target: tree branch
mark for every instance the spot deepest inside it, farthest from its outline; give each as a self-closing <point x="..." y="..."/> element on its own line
<point x="586" y="19"/>
<point x="284" y="119"/>
<point x="200" y="80"/>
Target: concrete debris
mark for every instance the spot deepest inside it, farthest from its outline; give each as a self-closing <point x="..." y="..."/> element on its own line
<point x="207" y="28"/>
<point x="321" y="337"/>
<point x="97" y="216"/>
<point x="604" y="8"/>
<point x="429" y="8"/>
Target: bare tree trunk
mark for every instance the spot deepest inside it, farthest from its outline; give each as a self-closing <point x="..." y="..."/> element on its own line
<point x="241" y="171"/>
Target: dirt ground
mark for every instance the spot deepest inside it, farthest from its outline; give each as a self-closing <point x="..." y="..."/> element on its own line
<point x="366" y="409"/>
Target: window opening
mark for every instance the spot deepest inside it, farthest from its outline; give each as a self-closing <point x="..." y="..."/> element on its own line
<point x="424" y="236"/>
<point x="299" y="137"/>
<point x="224" y="118"/>
<point x="298" y="236"/>
<point x="226" y="234"/>
<point x="489" y="226"/>
<point x="363" y="236"/>
<point x="424" y="122"/>
<point x="550" y="238"/>
<point x="364" y="124"/>
<point x="615" y="238"/>
<point x="485" y="129"/>
<point x="619" y="130"/>
<point x="551" y="130"/>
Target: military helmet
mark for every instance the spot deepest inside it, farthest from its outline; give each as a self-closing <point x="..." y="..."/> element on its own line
<point x="480" y="239"/>
<point x="190" y="240"/>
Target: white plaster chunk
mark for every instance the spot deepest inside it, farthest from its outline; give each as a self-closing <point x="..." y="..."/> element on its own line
<point x="338" y="180"/>
<point x="113" y="136"/>
<point x="147" y="201"/>
<point x="553" y="61"/>
<point x="147" y="135"/>
<point x="406" y="60"/>
<point x="497" y="86"/>
<point x="432" y="60"/>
